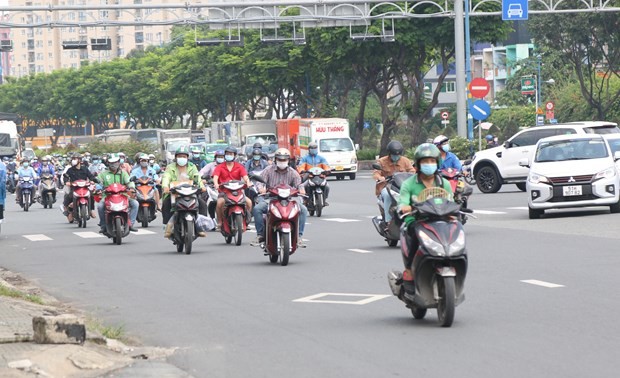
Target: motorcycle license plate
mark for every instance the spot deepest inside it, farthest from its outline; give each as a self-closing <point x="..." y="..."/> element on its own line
<point x="573" y="190"/>
<point x="339" y="168"/>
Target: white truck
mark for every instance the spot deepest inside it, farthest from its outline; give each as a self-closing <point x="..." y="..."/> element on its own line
<point x="10" y="140"/>
<point x="241" y="133"/>
<point x="335" y="144"/>
<point x="170" y="140"/>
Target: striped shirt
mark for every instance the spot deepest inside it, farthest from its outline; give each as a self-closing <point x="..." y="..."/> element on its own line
<point x="274" y="177"/>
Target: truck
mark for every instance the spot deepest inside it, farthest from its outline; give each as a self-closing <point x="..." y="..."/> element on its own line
<point x="170" y="140"/>
<point x="10" y="140"/>
<point x="119" y="135"/>
<point x="242" y="133"/>
<point x="330" y="134"/>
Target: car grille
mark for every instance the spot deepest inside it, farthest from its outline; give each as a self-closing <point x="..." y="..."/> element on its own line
<point x="575" y="179"/>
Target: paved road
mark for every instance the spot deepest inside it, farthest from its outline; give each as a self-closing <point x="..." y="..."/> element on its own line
<point x="232" y="314"/>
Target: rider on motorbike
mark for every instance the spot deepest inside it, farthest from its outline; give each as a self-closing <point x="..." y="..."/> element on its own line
<point x="230" y="170"/>
<point x="208" y="169"/>
<point x="449" y="160"/>
<point x="125" y="166"/>
<point x="76" y="172"/>
<point x="256" y="162"/>
<point x="25" y="171"/>
<point x="153" y="163"/>
<point x="313" y="159"/>
<point x="144" y="170"/>
<point x="197" y="160"/>
<point x="114" y="174"/>
<point x="392" y="163"/>
<point x="180" y="170"/>
<point x="2" y="190"/>
<point x="274" y="175"/>
<point x="97" y="166"/>
<point x="427" y="160"/>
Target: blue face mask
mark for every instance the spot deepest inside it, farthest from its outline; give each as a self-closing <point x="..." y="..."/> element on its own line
<point x="219" y="160"/>
<point x="395" y="158"/>
<point x="122" y="161"/>
<point x="256" y="157"/>
<point x="26" y="165"/>
<point x="428" y="169"/>
<point x="446" y="148"/>
<point x="229" y="157"/>
<point x="313" y="151"/>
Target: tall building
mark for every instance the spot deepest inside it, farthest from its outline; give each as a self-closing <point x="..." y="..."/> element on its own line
<point x="41" y="49"/>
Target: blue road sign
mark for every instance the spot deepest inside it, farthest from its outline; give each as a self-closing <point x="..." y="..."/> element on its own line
<point x="514" y="10"/>
<point x="480" y="110"/>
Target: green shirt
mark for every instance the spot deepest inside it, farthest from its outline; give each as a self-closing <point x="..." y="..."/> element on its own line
<point x="107" y="178"/>
<point x="410" y="189"/>
<point x="172" y="174"/>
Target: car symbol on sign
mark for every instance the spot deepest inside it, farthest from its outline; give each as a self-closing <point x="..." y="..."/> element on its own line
<point x="515" y="10"/>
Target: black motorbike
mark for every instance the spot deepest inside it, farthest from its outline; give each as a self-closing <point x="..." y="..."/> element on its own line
<point x="317" y="181"/>
<point x="440" y="261"/>
<point x="47" y="190"/>
<point x="185" y="204"/>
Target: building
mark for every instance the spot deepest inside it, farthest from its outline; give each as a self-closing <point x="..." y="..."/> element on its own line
<point x="41" y="49"/>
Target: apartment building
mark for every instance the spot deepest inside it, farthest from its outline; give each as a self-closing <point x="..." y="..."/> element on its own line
<point x="41" y="49"/>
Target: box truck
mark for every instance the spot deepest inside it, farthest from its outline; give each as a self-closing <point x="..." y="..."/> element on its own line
<point x="10" y="140"/>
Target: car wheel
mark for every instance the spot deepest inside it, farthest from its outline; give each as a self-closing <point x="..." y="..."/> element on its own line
<point x="521" y="186"/>
<point x="615" y="208"/>
<point x="487" y="180"/>
<point x="535" y="213"/>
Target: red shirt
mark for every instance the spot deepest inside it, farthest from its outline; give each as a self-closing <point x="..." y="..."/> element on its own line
<point x="237" y="172"/>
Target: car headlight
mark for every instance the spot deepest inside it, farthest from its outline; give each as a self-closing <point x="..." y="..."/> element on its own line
<point x="458" y="245"/>
<point x="354" y="160"/>
<point x="607" y="173"/>
<point x="431" y="244"/>
<point x="535" y="178"/>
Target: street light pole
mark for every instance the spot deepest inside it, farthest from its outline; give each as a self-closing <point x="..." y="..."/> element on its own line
<point x="538" y="88"/>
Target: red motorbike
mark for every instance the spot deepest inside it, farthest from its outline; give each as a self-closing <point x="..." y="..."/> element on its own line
<point x="79" y="208"/>
<point x="234" y="223"/>
<point x="116" y="204"/>
<point x="282" y="223"/>
<point x="460" y="189"/>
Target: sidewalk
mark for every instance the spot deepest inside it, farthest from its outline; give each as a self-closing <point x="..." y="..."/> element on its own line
<point x="97" y="357"/>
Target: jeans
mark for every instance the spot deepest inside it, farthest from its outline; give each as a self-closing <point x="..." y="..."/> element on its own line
<point x="133" y="212"/>
<point x="387" y="202"/>
<point x="261" y="208"/>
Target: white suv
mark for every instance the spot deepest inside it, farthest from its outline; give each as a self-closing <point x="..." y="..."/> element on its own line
<point x="500" y="165"/>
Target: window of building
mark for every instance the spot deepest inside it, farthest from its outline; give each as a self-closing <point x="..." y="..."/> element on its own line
<point x="72" y="16"/>
<point x="39" y="43"/>
<point x="50" y="43"/>
<point x="82" y="16"/>
<point x="50" y="55"/>
<point x="119" y="40"/>
<point x="448" y="87"/>
<point x="104" y="14"/>
<point x="139" y="37"/>
<point x="40" y="68"/>
<point x="74" y="65"/>
<point x="24" y="45"/>
<point x="40" y="56"/>
<point x="23" y="32"/>
<point x="149" y="37"/>
<point x="121" y="52"/>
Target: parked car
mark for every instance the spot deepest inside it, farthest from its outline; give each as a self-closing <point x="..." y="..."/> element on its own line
<point x="496" y="166"/>
<point x="572" y="171"/>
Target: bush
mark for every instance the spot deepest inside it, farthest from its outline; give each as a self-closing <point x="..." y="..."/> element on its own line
<point x="367" y="154"/>
<point x="129" y="148"/>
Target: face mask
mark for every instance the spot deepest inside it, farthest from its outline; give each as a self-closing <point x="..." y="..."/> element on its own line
<point x="144" y="164"/>
<point x="96" y="161"/>
<point x="428" y="169"/>
<point x="229" y="157"/>
<point x="74" y="162"/>
<point x="313" y="151"/>
<point x="151" y="162"/>
<point x="26" y="165"/>
<point x="446" y="148"/>
<point x="256" y="157"/>
<point x="395" y="158"/>
<point x="122" y="161"/>
<point x="282" y="164"/>
<point x="182" y="162"/>
<point x="115" y="166"/>
<point x="219" y="160"/>
<point x="196" y="156"/>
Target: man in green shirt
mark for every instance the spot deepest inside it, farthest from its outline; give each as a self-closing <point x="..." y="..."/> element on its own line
<point x="427" y="160"/>
<point x="114" y="174"/>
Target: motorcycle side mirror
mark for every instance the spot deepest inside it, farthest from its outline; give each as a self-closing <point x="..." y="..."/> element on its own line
<point x="256" y="177"/>
<point x="376" y="166"/>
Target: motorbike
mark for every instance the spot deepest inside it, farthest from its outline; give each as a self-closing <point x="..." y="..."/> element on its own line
<point x="47" y="190"/>
<point x="27" y="189"/>
<point x="440" y="261"/>
<point x="469" y="175"/>
<point x="317" y="181"/>
<point x="281" y="223"/>
<point x="460" y="190"/>
<point x="116" y="210"/>
<point x="59" y="182"/>
<point x="185" y="204"/>
<point x="79" y="206"/>
<point x="391" y="231"/>
<point x="234" y="223"/>
<point x="10" y="181"/>
<point x="210" y="196"/>
<point x="145" y="195"/>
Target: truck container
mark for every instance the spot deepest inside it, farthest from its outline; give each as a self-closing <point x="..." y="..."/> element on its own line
<point x="170" y="140"/>
<point x="241" y="133"/>
<point x="10" y="140"/>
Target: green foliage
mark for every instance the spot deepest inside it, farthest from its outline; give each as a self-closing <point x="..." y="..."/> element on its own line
<point x="461" y="147"/>
<point x="129" y="148"/>
<point x="367" y="154"/>
<point x="507" y="121"/>
<point x="9" y="292"/>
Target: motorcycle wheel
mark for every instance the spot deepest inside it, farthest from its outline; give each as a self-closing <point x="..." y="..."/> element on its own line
<point x="286" y="248"/>
<point x="418" y="313"/>
<point x="118" y="230"/>
<point x="189" y="236"/>
<point x="83" y="215"/>
<point x="392" y="243"/>
<point x="179" y="243"/>
<point x="318" y="204"/>
<point x="145" y="216"/>
<point x="26" y="200"/>
<point x="239" y="228"/>
<point x="50" y="200"/>
<point x="445" y="307"/>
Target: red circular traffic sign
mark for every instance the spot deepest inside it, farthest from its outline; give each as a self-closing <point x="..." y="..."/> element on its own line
<point x="479" y="87"/>
<point x="549" y="105"/>
<point x="445" y="115"/>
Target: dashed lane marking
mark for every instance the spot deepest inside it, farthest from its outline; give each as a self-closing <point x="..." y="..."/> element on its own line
<point x="338" y="298"/>
<point x="89" y="235"/>
<point x="518" y="208"/>
<point x="359" y="250"/>
<point x="142" y="231"/>
<point x="489" y="212"/>
<point x="341" y="220"/>
<point x="542" y="283"/>
<point x="37" y="237"/>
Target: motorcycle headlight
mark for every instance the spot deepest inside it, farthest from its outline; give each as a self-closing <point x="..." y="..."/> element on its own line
<point x="294" y="211"/>
<point x="311" y="183"/>
<point x="458" y="245"/>
<point x="116" y="206"/>
<point x="535" y="178"/>
<point x="139" y="195"/>
<point x="607" y="173"/>
<point x="431" y="244"/>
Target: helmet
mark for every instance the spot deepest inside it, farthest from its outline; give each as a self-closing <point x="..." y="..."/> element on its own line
<point x="426" y="150"/>
<point x="282" y="153"/>
<point x="121" y="155"/>
<point x="45" y="158"/>
<point x="489" y="137"/>
<point x="113" y="158"/>
<point x="195" y="150"/>
<point x="5" y="158"/>
<point x="258" y="145"/>
<point x="76" y="156"/>
<point x="143" y="157"/>
<point x="151" y="156"/>
<point x="183" y="150"/>
<point x="395" y="148"/>
<point x="439" y="140"/>
<point x="313" y="145"/>
<point x="87" y="153"/>
<point x="257" y="151"/>
<point x="230" y="149"/>
<point x="219" y="153"/>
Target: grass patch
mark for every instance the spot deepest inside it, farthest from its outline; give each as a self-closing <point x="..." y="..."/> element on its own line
<point x="110" y="332"/>
<point x="8" y="292"/>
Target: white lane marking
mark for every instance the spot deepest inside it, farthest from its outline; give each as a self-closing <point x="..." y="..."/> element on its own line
<point x="89" y="235"/>
<point x="489" y="212"/>
<point x="517" y="208"/>
<point x="542" y="283"/>
<point x="254" y="231"/>
<point x="37" y="237"/>
<point x="341" y="220"/>
<point x="366" y="298"/>
<point x="370" y="216"/>
<point x="142" y="231"/>
<point x="359" y="250"/>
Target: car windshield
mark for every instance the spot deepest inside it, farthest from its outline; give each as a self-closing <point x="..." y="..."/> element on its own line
<point x="215" y="147"/>
<point x="336" y="145"/>
<point x="614" y="144"/>
<point x="607" y="129"/>
<point x="576" y="149"/>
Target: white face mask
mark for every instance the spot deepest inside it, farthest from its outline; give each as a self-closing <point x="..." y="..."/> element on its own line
<point x="182" y="162"/>
<point x="282" y="164"/>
